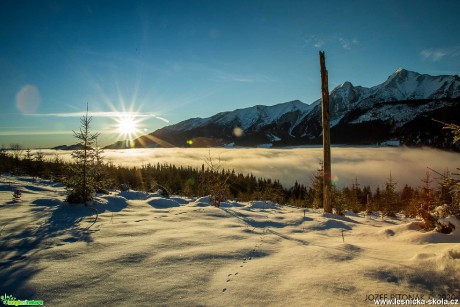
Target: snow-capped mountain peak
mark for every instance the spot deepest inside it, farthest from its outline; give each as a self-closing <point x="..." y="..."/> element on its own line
<point x="252" y="117"/>
<point x="405" y="85"/>
<point x="390" y="110"/>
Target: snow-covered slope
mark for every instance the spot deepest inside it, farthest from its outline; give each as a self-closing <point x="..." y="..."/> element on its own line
<point x="406" y="85"/>
<point x="145" y="250"/>
<point x="402" y="85"/>
<point x="247" y="118"/>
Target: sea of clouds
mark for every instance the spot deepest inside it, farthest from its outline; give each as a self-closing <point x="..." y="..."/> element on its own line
<point x="371" y="165"/>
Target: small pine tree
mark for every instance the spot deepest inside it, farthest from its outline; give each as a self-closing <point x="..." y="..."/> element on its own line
<point x="28" y="167"/>
<point x="454" y="129"/>
<point x="352" y="197"/>
<point x="317" y="185"/>
<point x="16" y="150"/>
<point x="426" y="203"/>
<point x="101" y="183"/>
<point x="4" y="160"/>
<point x="57" y="168"/>
<point x="407" y="195"/>
<point x="390" y="198"/>
<point x="449" y="195"/>
<point x="39" y="161"/>
<point x="338" y="200"/>
<point x="80" y="180"/>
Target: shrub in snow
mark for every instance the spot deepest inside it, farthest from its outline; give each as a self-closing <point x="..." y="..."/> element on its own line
<point x="17" y="195"/>
<point x="263" y="205"/>
<point x="215" y="181"/>
<point x="124" y="187"/>
<point x="449" y="224"/>
<point x="317" y="186"/>
<point x="163" y="191"/>
<point x="338" y="201"/>
<point x="429" y="209"/>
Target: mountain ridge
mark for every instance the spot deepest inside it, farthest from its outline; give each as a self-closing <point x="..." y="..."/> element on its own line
<point x="371" y="115"/>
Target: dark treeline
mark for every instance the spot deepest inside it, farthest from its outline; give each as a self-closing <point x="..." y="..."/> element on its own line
<point x="210" y="179"/>
<point x="179" y="180"/>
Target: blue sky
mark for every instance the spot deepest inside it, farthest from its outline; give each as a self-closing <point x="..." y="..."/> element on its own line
<point x="172" y="60"/>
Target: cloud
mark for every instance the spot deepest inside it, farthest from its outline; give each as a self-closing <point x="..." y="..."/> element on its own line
<point x="32" y="132"/>
<point x="434" y="55"/>
<point x="370" y="165"/>
<point x="440" y="53"/>
<point x="318" y="44"/>
<point x="243" y="79"/>
<point x="314" y="41"/>
<point x="348" y="44"/>
<point x="345" y="43"/>
<point x="102" y="114"/>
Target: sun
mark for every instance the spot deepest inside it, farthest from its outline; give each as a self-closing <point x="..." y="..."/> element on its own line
<point x="127" y="126"/>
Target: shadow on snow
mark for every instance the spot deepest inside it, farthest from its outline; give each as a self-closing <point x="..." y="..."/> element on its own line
<point x="17" y="249"/>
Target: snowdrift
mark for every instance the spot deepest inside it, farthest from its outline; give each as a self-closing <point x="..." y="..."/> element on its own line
<point x="149" y="250"/>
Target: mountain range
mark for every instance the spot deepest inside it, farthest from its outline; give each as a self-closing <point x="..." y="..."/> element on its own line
<point x="398" y="111"/>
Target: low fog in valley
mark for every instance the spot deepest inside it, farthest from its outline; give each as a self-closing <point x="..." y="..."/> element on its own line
<point x="371" y="165"/>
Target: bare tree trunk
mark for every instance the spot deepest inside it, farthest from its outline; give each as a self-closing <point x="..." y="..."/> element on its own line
<point x="327" y="202"/>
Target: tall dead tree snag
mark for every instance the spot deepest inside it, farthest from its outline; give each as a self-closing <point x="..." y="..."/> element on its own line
<point x="327" y="204"/>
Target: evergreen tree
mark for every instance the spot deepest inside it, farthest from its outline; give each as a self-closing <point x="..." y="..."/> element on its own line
<point x="317" y="185"/>
<point x="101" y="183"/>
<point x="28" y="162"/>
<point x="449" y="195"/>
<point x="376" y="203"/>
<point x="407" y="194"/>
<point x="426" y="203"/>
<point x="4" y="160"/>
<point x="16" y="150"/>
<point x="352" y="197"/>
<point x="390" y="198"/>
<point x="39" y="163"/>
<point x="339" y="200"/>
<point x="80" y="180"/>
<point x="56" y="168"/>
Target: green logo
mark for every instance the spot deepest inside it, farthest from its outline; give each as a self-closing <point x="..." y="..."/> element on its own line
<point x="10" y="300"/>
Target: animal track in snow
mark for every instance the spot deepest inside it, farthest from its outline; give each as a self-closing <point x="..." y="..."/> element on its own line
<point x="252" y="254"/>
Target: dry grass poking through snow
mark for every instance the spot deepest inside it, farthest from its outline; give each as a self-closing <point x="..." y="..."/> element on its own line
<point x="149" y="251"/>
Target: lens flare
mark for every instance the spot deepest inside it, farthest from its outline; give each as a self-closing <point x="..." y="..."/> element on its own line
<point x="237" y="131"/>
<point x="335" y="180"/>
<point x="28" y="99"/>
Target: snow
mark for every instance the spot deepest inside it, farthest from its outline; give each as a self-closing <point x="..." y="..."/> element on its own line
<point x="400" y="114"/>
<point x="259" y="116"/>
<point x="267" y="145"/>
<point x="273" y="137"/>
<point x="401" y="85"/>
<point x="336" y="121"/>
<point x="189" y="124"/>
<point x="404" y="84"/>
<point x="395" y="143"/>
<point x="150" y="251"/>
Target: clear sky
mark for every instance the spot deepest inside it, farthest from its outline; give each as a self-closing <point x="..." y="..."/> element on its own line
<point x="173" y="60"/>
